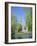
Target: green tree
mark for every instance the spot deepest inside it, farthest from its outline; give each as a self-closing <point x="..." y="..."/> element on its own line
<point x="28" y="12"/>
<point x="13" y="22"/>
<point x="29" y="20"/>
<point x="13" y="26"/>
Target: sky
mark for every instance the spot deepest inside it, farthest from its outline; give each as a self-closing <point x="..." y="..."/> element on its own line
<point x="20" y="13"/>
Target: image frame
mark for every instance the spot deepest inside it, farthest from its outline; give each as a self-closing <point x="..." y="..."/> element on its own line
<point x="6" y="22"/>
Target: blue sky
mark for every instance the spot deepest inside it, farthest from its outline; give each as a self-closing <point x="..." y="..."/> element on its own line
<point x="20" y="13"/>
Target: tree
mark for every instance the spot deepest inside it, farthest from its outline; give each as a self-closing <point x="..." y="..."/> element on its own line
<point x="13" y="22"/>
<point x="28" y="12"/>
<point x="13" y="26"/>
<point x="29" y="20"/>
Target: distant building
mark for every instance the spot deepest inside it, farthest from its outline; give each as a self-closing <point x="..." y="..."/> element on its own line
<point x="24" y="28"/>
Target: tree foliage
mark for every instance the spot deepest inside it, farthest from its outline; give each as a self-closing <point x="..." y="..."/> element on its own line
<point x="13" y="22"/>
<point x="29" y="20"/>
<point x="19" y="27"/>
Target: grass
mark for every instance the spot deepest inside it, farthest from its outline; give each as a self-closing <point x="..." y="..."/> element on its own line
<point x="23" y="35"/>
<point x="23" y="32"/>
